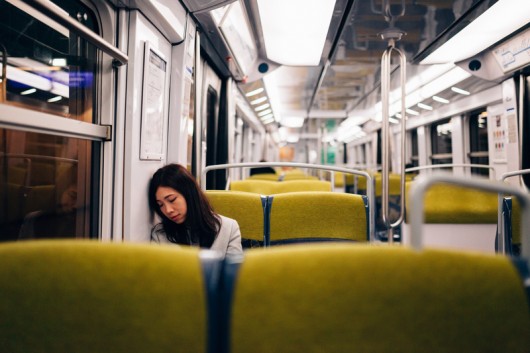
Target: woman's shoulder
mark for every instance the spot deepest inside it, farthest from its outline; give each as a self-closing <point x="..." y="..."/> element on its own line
<point x="226" y="220"/>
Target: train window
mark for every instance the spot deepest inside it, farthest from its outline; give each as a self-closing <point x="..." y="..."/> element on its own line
<point x="441" y="142"/>
<point x="44" y="186"/>
<point x="49" y="68"/>
<point x="478" y="141"/>
<point x="48" y="181"/>
<point x="414" y="158"/>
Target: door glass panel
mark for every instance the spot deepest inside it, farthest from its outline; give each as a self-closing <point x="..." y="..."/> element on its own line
<point x="49" y="68"/>
<point x="45" y="186"/>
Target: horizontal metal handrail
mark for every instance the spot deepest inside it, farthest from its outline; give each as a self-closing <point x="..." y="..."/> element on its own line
<point x="370" y="192"/>
<point x="422" y="183"/>
<point x="53" y="11"/>
<point x="451" y="165"/>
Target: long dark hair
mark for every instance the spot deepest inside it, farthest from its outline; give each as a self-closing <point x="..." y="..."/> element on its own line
<point x="201" y="220"/>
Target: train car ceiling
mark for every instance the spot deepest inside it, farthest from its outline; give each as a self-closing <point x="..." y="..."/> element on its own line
<point x="345" y="81"/>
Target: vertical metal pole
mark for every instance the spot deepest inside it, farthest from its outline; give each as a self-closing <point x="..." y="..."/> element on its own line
<point x="385" y="163"/>
<point x="385" y="90"/>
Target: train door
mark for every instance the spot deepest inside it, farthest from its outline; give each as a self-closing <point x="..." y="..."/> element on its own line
<point x="52" y="127"/>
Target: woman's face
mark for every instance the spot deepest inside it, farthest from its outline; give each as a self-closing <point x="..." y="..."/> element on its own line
<point x="172" y="204"/>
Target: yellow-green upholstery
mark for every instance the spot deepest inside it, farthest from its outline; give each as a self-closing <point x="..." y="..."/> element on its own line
<point x="302" y="185"/>
<point x="394" y="184"/>
<point x="446" y="203"/>
<point x="318" y="215"/>
<point x="264" y="187"/>
<point x="297" y="176"/>
<point x="341" y="177"/>
<point x="246" y="208"/>
<point x="267" y="187"/>
<point x="268" y="176"/>
<point x="362" y="298"/>
<point x="86" y="296"/>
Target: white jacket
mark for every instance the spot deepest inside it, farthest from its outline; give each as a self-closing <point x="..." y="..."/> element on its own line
<point x="227" y="242"/>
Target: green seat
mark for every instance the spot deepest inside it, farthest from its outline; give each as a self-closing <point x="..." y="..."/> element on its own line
<point x="458" y="205"/>
<point x="268" y="176"/>
<point x="363" y="298"/>
<point x="305" y="216"/>
<point x="86" y="296"/>
<point x="267" y="187"/>
<point x="245" y="207"/>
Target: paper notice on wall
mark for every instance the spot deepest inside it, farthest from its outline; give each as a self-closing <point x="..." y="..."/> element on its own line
<point x="153" y="103"/>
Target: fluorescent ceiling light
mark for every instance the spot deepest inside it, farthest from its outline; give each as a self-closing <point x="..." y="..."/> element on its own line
<point x="459" y="90"/>
<point x="433" y="81"/>
<point x="293" y="121"/>
<point x="443" y="82"/>
<point x="412" y="112"/>
<point x="267" y="116"/>
<point x="261" y="107"/>
<point x="55" y="99"/>
<point x="393" y="120"/>
<point x="295" y="31"/>
<point x="424" y="106"/>
<point x="61" y="62"/>
<point x="348" y="133"/>
<point x="499" y="21"/>
<point x="272" y="83"/>
<point x="28" y="91"/>
<point x="265" y="112"/>
<point x="36" y="81"/>
<point x="440" y="99"/>
<point x="258" y="101"/>
<point x="254" y="92"/>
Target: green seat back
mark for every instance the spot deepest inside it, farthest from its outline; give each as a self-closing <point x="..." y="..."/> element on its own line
<point x="452" y="204"/>
<point x="257" y="186"/>
<point x="267" y="187"/>
<point x="246" y="208"/>
<point x="366" y="298"/>
<point x="318" y="215"/>
<point x="86" y="296"/>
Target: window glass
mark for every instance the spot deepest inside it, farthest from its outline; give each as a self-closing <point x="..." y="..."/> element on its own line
<point x="44" y="186"/>
<point x="441" y="142"/>
<point x="48" y="183"/>
<point x="49" y="68"/>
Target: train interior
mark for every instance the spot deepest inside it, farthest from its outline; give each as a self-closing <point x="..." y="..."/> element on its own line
<point x="373" y="153"/>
